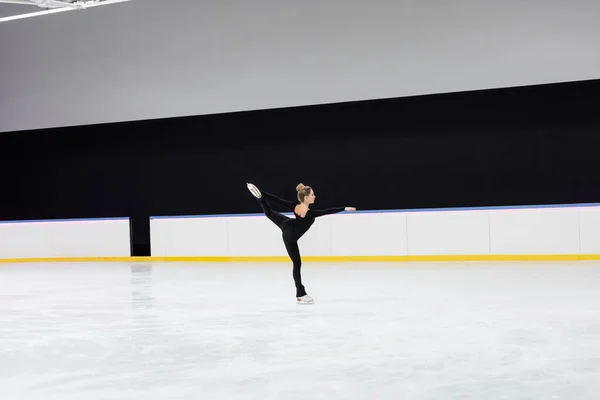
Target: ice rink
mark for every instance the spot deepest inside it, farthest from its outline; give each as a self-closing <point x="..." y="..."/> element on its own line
<point x="484" y="331"/>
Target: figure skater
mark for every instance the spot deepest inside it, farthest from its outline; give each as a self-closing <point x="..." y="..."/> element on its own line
<point x="294" y="228"/>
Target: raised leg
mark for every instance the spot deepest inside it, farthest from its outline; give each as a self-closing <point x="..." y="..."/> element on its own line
<point x="277" y="218"/>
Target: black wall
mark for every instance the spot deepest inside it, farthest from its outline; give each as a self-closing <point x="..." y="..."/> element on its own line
<point x="530" y="145"/>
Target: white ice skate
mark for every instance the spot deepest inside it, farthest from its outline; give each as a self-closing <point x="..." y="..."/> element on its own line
<point x="306" y="299"/>
<point x="254" y="190"/>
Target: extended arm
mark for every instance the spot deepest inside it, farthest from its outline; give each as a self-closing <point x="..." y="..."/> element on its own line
<point x="288" y="204"/>
<point x="319" y="213"/>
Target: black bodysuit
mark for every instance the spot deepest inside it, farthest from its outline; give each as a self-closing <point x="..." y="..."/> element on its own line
<point x="293" y="229"/>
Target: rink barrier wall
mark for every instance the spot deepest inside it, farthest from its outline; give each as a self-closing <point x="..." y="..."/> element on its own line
<point x="64" y="239"/>
<point x="522" y="233"/>
<point x="519" y="233"/>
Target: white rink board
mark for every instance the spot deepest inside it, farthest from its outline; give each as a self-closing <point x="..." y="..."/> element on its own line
<point x="534" y="231"/>
<point x="317" y="241"/>
<point x="188" y="236"/>
<point x="448" y="232"/>
<point x="589" y="230"/>
<point x="65" y="238"/>
<point x="527" y="230"/>
<point x="368" y="234"/>
<point x="252" y="236"/>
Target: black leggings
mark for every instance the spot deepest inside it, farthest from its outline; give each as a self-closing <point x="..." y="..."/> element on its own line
<point x="291" y="244"/>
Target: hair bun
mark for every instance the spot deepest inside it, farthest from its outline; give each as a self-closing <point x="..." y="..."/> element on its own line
<point x="300" y="187"/>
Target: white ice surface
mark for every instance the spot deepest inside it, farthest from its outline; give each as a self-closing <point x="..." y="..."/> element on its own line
<point x="233" y="331"/>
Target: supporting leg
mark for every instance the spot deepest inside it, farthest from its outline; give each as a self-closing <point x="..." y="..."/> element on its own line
<point x="294" y="252"/>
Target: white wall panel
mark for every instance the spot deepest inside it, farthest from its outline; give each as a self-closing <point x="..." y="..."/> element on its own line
<point x="203" y="236"/>
<point x="65" y="238"/>
<point x="369" y="234"/>
<point x="253" y="236"/>
<point x="317" y="241"/>
<point x="589" y="230"/>
<point x="552" y="230"/>
<point x="534" y="231"/>
<point x="448" y="232"/>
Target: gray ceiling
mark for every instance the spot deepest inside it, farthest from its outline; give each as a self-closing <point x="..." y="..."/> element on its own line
<point x="17" y="7"/>
<point x="7" y="10"/>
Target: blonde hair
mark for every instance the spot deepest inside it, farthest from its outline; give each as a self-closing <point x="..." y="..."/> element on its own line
<point x="303" y="191"/>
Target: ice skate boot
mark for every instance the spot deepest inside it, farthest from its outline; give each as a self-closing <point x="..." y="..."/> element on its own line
<point x="254" y="190"/>
<point x="306" y="299"/>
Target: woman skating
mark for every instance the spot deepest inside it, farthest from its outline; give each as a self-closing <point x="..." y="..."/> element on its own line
<point x="294" y="228"/>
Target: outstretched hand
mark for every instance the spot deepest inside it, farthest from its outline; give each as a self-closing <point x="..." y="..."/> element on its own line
<point x="350" y="209"/>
